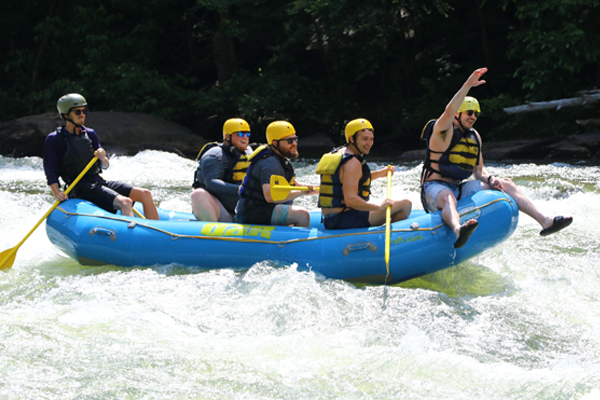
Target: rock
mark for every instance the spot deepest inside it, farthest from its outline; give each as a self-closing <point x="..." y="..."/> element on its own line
<point x="124" y="132"/>
<point x="315" y="145"/>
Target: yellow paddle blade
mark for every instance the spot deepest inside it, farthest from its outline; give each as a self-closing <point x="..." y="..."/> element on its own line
<point x="7" y="258"/>
<point x="280" y="188"/>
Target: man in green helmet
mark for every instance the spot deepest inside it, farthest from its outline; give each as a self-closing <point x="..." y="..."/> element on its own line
<point x="69" y="149"/>
<point x="454" y="155"/>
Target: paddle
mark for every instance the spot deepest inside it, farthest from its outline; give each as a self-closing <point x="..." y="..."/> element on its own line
<point x="280" y="188"/>
<point x="388" y="217"/>
<point x="139" y="214"/>
<point x="7" y="257"/>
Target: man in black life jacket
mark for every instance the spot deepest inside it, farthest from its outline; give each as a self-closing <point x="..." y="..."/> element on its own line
<point x="221" y="169"/>
<point x="346" y="184"/>
<point x="454" y="154"/>
<point x="69" y="149"/>
<point x="256" y="205"/>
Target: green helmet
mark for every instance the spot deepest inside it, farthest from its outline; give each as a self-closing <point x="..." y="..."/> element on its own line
<point x="68" y="102"/>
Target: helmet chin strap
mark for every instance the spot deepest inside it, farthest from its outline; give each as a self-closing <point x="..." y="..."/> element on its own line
<point x="68" y="119"/>
<point x="460" y="122"/>
<point x="356" y="146"/>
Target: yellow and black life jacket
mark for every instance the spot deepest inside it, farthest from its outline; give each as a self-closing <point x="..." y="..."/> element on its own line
<point x="331" y="193"/>
<point x="238" y="163"/>
<point x="458" y="160"/>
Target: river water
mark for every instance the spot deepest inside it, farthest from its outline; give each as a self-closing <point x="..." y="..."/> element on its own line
<point x="520" y="321"/>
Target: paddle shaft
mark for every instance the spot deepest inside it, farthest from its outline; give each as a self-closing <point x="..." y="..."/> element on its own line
<point x="7" y="257"/>
<point x="388" y="217"/>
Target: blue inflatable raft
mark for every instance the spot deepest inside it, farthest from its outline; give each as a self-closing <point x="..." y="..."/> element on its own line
<point x="418" y="246"/>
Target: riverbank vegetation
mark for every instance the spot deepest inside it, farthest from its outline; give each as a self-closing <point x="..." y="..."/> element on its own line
<point x="318" y="63"/>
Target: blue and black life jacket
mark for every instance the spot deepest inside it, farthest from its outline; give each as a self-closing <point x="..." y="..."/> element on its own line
<point x="78" y="153"/>
<point x="251" y="187"/>
<point x="331" y="193"/>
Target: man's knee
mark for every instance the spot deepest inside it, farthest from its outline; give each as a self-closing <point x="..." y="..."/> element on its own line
<point x="299" y="217"/>
<point x="122" y="202"/>
<point x="145" y="194"/>
<point x="446" y="197"/>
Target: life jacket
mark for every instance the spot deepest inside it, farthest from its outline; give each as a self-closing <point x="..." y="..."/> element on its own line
<point x="458" y="160"/>
<point x="251" y="187"/>
<point x="236" y="169"/>
<point x="331" y="193"/>
<point x="78" y="152"/>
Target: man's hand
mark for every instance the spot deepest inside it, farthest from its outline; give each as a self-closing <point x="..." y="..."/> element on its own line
<point x="101" y="154"/>
<point x="475" y="78"/>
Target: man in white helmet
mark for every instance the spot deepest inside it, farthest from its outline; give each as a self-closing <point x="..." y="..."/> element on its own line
<point x="346" y="183"/>
<point x="69" y="149"/>
<point x="221" y="169"/>
<point x="454" y="155"/>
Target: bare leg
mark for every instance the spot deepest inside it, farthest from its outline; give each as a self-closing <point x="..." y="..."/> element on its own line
<point x="298" y="216"/>
<point x="400" y="211"/>
<point x="204" y="206"/>
<point x="144" y="196"/>
<point x="124" y="204"/>
<point x="447" y="203"/>
<point x="523" y="202"/>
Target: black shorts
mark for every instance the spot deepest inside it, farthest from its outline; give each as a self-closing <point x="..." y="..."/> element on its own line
<point x="101" y="193"/>
<point x="347" y="220"/>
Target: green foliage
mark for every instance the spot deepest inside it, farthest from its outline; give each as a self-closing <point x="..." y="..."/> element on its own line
<point x="556" y="40"/>
<point x="318" y="63"/>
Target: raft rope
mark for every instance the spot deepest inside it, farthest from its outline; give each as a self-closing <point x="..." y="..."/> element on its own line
<point x="283" y="243"/>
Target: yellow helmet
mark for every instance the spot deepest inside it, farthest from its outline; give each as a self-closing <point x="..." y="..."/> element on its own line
<point x="279" y="129"/>
<point x="356" y="125"/>
<point x="233" y="125"/>
<point x="469" y="103"/>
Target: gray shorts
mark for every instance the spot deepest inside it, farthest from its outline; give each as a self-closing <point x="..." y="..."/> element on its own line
<point x="432" y="190"/>
<point x="225" y="215"/>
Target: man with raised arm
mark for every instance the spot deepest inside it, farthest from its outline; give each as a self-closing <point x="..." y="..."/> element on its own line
<point x="454" y="154"/>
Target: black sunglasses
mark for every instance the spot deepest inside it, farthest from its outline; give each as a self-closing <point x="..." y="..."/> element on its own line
<point x="78" y="112"/>
<point x="291" y="140"/>
<point x="241" y="134"/>
<point x="470" y="113"/>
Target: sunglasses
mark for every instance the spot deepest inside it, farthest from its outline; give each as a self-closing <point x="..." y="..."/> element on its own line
<point x="241" y="134"/>
<point x="291" y="140"/>
<point x="470" y="113"/>
<point x="78" y="112"/>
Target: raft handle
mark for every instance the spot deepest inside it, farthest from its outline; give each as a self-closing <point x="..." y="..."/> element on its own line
<point x="111" y="233"/>
<point x="359" y="246"/>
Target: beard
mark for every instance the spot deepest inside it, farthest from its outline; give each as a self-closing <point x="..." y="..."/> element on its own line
<point x="290" y="152"/>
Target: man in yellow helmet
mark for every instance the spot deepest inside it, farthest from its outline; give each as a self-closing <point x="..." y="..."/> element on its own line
<point x="256" y="205"/>
<point x="221" y="169"/>
<point x="346" y="184"/>
<point x="454" y="154"/>
<point x="71" y="147"/>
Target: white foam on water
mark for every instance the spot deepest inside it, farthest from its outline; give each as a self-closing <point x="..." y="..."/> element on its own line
<point x="519" y="321"/>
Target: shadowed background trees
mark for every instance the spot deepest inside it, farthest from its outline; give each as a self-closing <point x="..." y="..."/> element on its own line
<point x="317" y="63"/>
